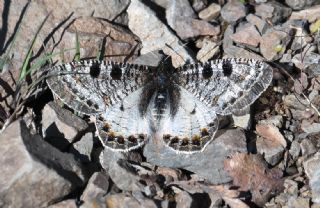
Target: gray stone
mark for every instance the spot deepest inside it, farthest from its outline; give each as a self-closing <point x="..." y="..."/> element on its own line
<point x="70" y="203"/>
<point x="55" y="24"/>
<point x="208" y="50"/>
<point x="307" y="147"/>
<point x="83" y="148"/>
<point x="312" y="128"/>
<point x="291" y="101"/>
<point x="97" y="187"/>
<point x="273" y="11"/>
<point x="311" y="14"/>
<point x="312" y="170"/>
<point x="276" y="120"/>
<point x="183" y="200"/>
<point x="202" y="163"/>
<point x="299" y="202"/>
<point x="93" y="33"/>
<point x="117" y="168"/>
<point x="295" y="149"/>
<point x="247" y="36"/>
<point x="33" y="173"/>
<point x="243" y="121"/>
<point x="149" y="59"/>
<point x="258" y="22"/>
<point x="273" y="44"/>
<point x="123" y="200"/>
<point x="182" y="19"/>
<point x="233" y="11"/>
<point x="154" y="34"/>
<point x="211" y="12"/>
<point x="291" y="187"/>
<point x="59" y="124"/>
<point x="199" y="5"/>
<point x="300" y="4"/>
<point x="310" y="62"/>
<point x="271" y="143"/>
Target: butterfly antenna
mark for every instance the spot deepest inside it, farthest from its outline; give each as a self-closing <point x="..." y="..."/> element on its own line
<point x="183" y="46"/>
<point x="217" y="45"/>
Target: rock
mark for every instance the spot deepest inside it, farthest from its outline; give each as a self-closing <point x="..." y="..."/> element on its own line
<point x="202" y="163"/>
<point x="273" y="11"/>
<point x="312" y="167"/>
<point x="94" y="33"/>
<point x="271" y="144"/>
<point x="115" y="165"/>
<point x="276" y="120"/>
<point x="307" y="147"/>
<point x="182" y="19"/>
<point x="96" y="188"/>
<point x="313" y="128"/>
<point x="60" y="127"/>
<point x="199" y="5"/>
<point x="54" y="27"/>
<point x="311" y="14"/>
<point x="273" y="44"/>
<point x="149" y="59"/>
<point x="183" y="200"/>
<point x="242" y="121"/>
<point x="83" y="148"/>
<point x="154" y="34"/>
<point x="247" y="36"/>
<point x="291" y="187"/>
<point x="33" y="173"/>
<point x="208" y="50"/>
<point x="310" y="63"/>
<point x="300" y="4"/>
<point x="258" y="22"/>
<point x="123" y="200"/>
<point x="291" y="101"/>
<point x="233" y="11"/>
<point x="211" y="12"/>
<point x="70" y="203"/>
<point x="295" y="149"/>
<point x="299" y="202"/>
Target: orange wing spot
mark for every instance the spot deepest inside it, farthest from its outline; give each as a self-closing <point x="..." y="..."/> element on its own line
<point x="185" y="142"/>
<point x="106" y="127"/>
<point x="204" y="132"/>
<point x="196" y="139"/>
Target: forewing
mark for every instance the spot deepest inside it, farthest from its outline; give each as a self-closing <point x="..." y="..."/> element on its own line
<point x="90" y="87"/>
<point x="226" y="85"/>
<point x="192" y="127"/>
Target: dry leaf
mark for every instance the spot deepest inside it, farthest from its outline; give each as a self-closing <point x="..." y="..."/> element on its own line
<point x="250" y="173"/>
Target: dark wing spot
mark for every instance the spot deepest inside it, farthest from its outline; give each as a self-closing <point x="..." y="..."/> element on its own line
<point x="184" y="142"/>
<point x="207" y="71"/>
<point x="120" y="139"/>
<point x="142" y="137"/>
<point x="95" y="70"/>
<point x="204" y="132"/>
<point x="116" y="72"/>
<point x="132" y="139"/>
<point x="227" y="68"/>
<point x="89" y="103"/>
<point x="196" y="140"/>
<point x="106" y="127"/>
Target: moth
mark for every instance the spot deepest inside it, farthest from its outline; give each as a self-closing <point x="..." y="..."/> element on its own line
<point x="178" y="106"/>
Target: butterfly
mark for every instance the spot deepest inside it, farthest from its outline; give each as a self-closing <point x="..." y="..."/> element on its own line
<point x="180" y="106"/>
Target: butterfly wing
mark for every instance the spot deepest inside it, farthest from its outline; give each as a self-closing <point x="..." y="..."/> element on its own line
<point x="90" y="87"/>
<point x="227" y="86"/>
<point x="192" y="127"/>
<point x="109" y="90"/>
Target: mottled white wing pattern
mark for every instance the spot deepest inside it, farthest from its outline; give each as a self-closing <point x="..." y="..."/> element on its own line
<point x="132" y="103"/>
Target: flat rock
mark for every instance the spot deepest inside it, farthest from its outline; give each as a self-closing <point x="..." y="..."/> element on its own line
<point x="310" y="63"/>
<point x="300" y="4"/>
<point x="208" y="50"/>
<point x="258" y="22"/>
<point x="182" y="20"/>
<point x="154" y="34"/>
<point x="60" y="126"/>
<point x="233" y="11"/>
<point x="211" y="12"/>
<point x="70" y="203"/>
<point x="273" y="44"/>
<point x="119" y="172"/>
<point x="313" y="128"/>
<point x="123" y="200"/>
<point x="33" y="173"/>
<point x="271" y="144"/>
<point x="273" y="11"/>
<point x="83" y="148"/>
<point x="307" y="147"/>
<point x="311" y="14"/>
<point x="96" y="188"/>
<point x="93" y="33"/>
<point x="207" y="164"/>
<point x="312" y="170"/>
<point x="247" y="36"/>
